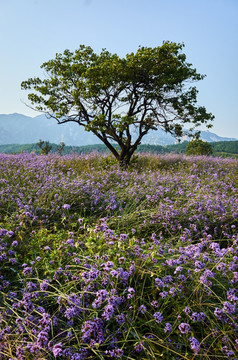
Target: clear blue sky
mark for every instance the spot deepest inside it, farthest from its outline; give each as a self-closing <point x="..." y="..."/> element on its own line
<point x="33" y="31"/>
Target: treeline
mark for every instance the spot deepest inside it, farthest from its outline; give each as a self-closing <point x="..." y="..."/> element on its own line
<point x="221" y="148"/>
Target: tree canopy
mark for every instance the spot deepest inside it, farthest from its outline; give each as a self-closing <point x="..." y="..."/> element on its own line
<point x="199" y="147"/>
<point x="121" y="99"/>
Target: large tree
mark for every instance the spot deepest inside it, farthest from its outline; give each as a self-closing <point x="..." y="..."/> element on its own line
<point x="121" y="99"/>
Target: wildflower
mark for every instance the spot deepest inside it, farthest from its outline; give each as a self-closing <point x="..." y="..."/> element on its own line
<point x="184" y="328"/>
<point x="178" y="269"/>
<point x="194" y="344"/>
<point x="66" y="206"/>
<point x="108" y="312"/>
<point x="57" y="349"/>
<point x="70" y="242"/>
<point x="27" y="270"/>
<point x="12" y="261"/>
<point x="120" y="319"/>
<point x="123" y="237"/>
<point x="44" y="285"/>
<point x="102" y="294"/>
<point x="115" y="353"/>
<point x="143" y="309"/>
<point x="131" y="292"/>
<point x="158" y="317"/>
<point x="121" y="260"/>
<point x="219" y="313"/>
<point x="96" y="303"/>
<point x="42" y="338"/>
<point x="159" y="282"/>
<point x="187" y="310"/>
<point x="168" y="327"/>
<point x="163" y="294"/>
<point x="198" y="316"/>
<point x="229" y="308"/>
<point x="139" y="347"/>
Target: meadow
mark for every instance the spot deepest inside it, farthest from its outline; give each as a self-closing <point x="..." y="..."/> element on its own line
<point x="97" y="262"/>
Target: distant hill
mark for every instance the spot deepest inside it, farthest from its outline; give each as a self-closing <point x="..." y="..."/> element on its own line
<point x="222" y="148"/>
<point x="21" y="129"/>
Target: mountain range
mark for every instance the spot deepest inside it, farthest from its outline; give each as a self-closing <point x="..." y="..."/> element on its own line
<point x="21" y="129"/>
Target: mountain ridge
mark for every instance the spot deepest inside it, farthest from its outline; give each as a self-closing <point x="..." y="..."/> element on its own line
<point x="21" y="129"/>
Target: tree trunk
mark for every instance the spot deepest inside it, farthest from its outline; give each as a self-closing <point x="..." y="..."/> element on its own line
<point x="124" y="160"/>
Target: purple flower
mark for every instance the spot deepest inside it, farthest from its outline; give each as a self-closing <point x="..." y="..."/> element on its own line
<point x="12" y="261"/>
<point x="120" y="319"/>
<point x="163" y="294"/>
<point x="159" y="282"/>
<point x="158" y="317"/>
<point x="143" y="309"/>
<point x="70" y="242"/>
<point x="187" y="310"/>
<point x="57" y="349"/>
<point x="195" y="345"/>
<point x="115" y="353"/>
<point x="44" y="285"/>
<point x="196" y="316"/>
<point x="139" y="347"/>
<point x="93" y="330"/>
<point x="108" y="312"/>
<point x="229" y="308"/>
<point x="155" y="304"/>
<point x="42" y="338"/>
<point x="168" y="327"/>
<point x="184" y="328"/>
<point x="219" y="313"/>
<point x="66" y="206"/>
<point x="122" y="237"/>
<point x="27" y="270"/>
<point x="131" y="292"/>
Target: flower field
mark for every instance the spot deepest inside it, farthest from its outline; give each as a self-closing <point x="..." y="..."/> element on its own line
<point x="102" y="263"/>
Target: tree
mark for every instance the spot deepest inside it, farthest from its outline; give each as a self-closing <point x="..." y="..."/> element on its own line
<point x="198" y="147"/>
<point x="44" y="146"/>
<point x="61" y="147"/>
<point x="120" y="99"/>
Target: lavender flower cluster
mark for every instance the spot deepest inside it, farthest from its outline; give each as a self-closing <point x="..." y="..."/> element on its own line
<point x="74" y="287"/>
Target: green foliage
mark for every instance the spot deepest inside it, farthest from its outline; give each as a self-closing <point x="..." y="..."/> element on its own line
<point x="221" y="148"/>
<point x="44" y="146"/>
<point x="230" y="147"/>
<point x="61" y="147"/>
<point x="198" y="147"/>
<point x="149" y="87"/>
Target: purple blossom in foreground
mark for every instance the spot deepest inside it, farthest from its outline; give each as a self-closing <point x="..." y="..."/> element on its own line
<point x="194" y="344"/>
<point x="142" y="309"/>
<point x="108" y="312"/>
<point x="184" y="328"/>
<point x="57" y="349"/>
<point x="131" y="292"/>
<point x="168" y="328"/>
<point x="115" y="353"/>
<point x="158" y="317"/>
<point x="229" y="308"/>
<point x="66" y="206"/>
<point x="139" y="347"/>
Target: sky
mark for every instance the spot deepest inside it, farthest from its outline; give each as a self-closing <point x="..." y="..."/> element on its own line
<point x="33" y="31"/>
